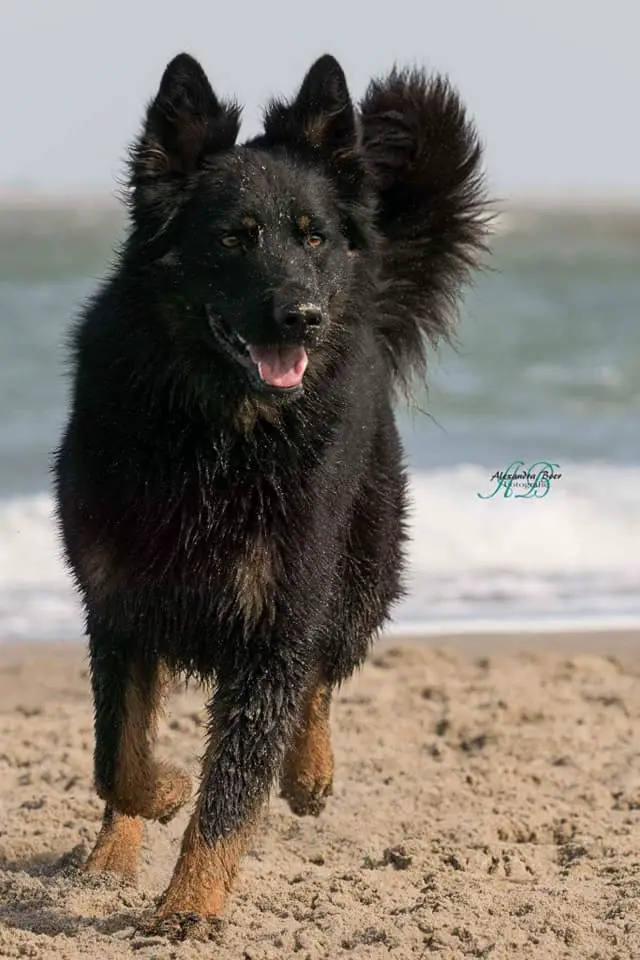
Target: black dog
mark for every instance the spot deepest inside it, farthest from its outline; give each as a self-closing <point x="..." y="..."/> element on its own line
<point x="230" y="484"/>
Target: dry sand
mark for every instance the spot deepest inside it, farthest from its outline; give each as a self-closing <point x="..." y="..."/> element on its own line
<point x="487" y="804"/>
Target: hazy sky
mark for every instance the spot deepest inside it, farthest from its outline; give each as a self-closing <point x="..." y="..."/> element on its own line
<point x="553" y="84"/>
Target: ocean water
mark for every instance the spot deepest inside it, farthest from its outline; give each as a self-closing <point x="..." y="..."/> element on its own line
<point x="547" y="370"/>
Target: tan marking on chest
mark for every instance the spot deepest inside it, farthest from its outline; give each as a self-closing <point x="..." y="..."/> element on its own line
<point x="248" y="411"/>
<point x="255" y="576"/>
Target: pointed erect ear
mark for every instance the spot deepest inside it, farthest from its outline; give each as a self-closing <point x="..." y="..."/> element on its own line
<point x="185" y="123"/>
<point x="321" y="121"/>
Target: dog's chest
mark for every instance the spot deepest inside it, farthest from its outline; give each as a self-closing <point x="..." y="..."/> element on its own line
<point x="255" y="571"/>
<point x="225" y="538"/>
<point x="220" y="535"/>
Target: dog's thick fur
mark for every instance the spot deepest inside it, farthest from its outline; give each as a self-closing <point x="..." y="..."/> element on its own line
<point x="222" y="524"/>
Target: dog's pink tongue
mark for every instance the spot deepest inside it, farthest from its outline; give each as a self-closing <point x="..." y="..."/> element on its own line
<point x="280" y="366"/>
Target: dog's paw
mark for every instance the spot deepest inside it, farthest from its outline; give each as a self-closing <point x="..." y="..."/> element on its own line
<point x="117" y="848"/>
<point x="158" y="795"/>
<point x="172" y="792"/>
<point x="177" y="927"/>
<point x="306" y="799"/>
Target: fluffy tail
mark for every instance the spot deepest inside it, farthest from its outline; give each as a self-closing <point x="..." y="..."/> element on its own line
<point x="425" y="159"/>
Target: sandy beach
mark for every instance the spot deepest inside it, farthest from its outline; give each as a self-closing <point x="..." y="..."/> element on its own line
<point x="487" y="804"/>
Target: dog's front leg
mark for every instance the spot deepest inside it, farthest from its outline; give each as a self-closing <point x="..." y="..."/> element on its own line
<point x="252" y="715"/>
<point x="306" y="779"/>
<point x="129" y="692"/>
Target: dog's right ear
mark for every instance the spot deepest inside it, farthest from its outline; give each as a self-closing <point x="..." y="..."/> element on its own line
<point x="320" y="123"/>
<point x="184" y="124"/>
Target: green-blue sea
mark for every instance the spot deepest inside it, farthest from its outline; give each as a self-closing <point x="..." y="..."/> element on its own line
<point x="547" y="369"/>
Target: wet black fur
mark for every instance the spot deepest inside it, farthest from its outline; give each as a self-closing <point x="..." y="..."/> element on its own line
<point x="173" y="461"/>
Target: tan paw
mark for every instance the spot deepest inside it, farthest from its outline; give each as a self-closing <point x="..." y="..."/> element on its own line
<point x="117" y="849"/>
<point x="306" y="797"/>
<point x="173" y="791"/>
<point x="177" y="927"/>
<point x="155" y="794"/>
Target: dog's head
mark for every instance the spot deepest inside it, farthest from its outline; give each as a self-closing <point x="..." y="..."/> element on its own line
<point x="253" y="246"/>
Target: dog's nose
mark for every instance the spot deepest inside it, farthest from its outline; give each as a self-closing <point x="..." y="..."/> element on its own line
<point x="299" y="319"/>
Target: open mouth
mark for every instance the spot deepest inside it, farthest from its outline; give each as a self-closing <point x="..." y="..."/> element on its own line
<point x="276" y="369"/>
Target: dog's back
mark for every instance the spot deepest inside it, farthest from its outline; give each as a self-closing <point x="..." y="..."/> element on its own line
<point x="230" y="485"/>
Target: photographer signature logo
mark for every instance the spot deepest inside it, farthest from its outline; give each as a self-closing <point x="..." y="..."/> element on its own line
<point x="534" y="481"/>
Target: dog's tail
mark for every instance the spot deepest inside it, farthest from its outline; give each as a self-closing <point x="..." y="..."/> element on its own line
<point x="426" y="161"/>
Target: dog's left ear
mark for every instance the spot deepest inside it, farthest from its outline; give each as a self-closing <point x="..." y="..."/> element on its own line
<point x="321" y="122"/>
<point x="185" y="123"/>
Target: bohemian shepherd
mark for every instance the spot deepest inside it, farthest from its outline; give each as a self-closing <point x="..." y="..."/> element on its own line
<point x="230" y="484"/>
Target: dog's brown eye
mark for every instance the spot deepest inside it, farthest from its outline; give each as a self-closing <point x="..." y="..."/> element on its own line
<point x="314" y="240"/>
<point x="230" y="240"/>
